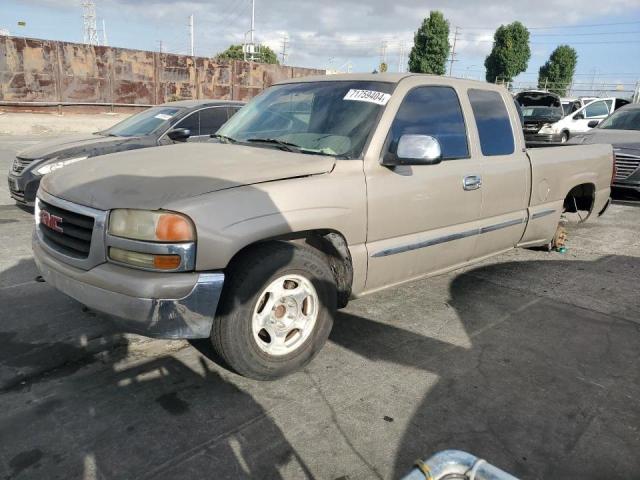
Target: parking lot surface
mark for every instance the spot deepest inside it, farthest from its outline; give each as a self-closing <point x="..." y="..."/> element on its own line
<point x="529" y="360"/>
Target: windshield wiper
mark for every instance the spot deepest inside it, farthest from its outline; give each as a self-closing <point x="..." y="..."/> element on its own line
<point x="292" y="147"/>
<point x="223" y="137"/>
<point x="289" y="147"/>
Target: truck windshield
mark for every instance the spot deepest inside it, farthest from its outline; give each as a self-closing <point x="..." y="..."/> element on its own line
<point x="143" y="123"/>
<point x="328" y="117"/>
<point x="622" y="120"/>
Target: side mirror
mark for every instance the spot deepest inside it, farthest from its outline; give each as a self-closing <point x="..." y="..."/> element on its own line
<point x="593" y="123"/>
<point x="415" y="150"/>
<point x="579" y="116"/>
<point x="179" y="134"/>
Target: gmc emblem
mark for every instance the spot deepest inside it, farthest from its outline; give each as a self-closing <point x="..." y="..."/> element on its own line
<point x="51" y="221"/>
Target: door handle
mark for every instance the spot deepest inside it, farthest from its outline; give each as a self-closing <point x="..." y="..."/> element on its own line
<point x="472" y="182"/>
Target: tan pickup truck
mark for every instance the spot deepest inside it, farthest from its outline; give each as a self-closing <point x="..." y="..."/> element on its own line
<point x="318" y="191"/>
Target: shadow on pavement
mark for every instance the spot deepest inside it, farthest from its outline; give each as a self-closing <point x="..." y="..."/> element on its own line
<point x="546" y="389"/>
<point x="540" y="388"/>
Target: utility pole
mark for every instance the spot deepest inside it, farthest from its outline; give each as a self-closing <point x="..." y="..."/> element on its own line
<point x="105" y="42"/>
<point x="285" y="39"/>
<point x="383" y="53"/>
<point x="249" y="47"/>
<point x="160" y="46"/>
<point x="253" y="18"/>
<point x="191" y="33"/>
<point x="401" y="58"/>
<point x="453" y="50"/>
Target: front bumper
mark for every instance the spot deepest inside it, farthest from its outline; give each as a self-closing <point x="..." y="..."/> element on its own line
<point x="543" y="137"/>
<point x="189" y="316"/>
<point x="23" y="188"/>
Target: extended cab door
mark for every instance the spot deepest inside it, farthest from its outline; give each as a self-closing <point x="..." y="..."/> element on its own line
<point x="421" y="218"/>
<point x="505" y="171"/>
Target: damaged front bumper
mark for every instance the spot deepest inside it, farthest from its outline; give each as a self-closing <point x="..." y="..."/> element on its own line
<point x="189" y="316"/>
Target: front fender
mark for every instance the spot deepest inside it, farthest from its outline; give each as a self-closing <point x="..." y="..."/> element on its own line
<point x="229" y="220"/>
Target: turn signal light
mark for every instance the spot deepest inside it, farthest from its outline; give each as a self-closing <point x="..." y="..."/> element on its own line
<point x="166" y="262"/>
<point x="145" y="260"/>
<point x="173" y="228"/>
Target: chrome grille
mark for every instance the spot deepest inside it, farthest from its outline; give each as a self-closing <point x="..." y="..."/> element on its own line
<point x="626" y="165"/>
<point x="19" y="164"/>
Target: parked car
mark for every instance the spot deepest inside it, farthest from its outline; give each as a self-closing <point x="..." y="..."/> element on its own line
<point x="622" y="130"/>
<point x="174" y="122"/>
<point x="539" y="109"/>
<point x="577" y="122"/>
<point x="320" y="190"/>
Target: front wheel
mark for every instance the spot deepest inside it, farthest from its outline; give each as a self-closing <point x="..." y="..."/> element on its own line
<point x="565" y="137"/>
<point x="276" y="311"/>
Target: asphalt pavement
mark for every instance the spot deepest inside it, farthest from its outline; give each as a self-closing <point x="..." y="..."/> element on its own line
<point x="529" y="360"/>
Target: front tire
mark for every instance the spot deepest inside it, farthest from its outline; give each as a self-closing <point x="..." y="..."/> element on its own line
<point x="276" y="311"/>
<point x="565" y="137"/>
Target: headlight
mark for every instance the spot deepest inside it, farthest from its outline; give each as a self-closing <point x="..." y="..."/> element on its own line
<point x="50" y="167"/>
<point x="547" y="128"/>
<point x="153" y="226"/>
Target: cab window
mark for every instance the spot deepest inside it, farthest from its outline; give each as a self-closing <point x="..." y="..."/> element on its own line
<point x="433" y="111"/>
<point x="191" y="122"/>
<point x="211" y="119"/>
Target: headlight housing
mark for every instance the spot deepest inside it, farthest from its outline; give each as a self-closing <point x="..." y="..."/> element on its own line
<point x="156" y="240"/>
<point x="50" y="167"/>
<point x="151" y="226"/>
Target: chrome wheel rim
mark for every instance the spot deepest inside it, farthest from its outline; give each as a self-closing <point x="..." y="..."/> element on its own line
<point x="285" y="314"/>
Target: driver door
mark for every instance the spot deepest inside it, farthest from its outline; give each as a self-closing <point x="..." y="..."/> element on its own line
<point x="421" y="216"/>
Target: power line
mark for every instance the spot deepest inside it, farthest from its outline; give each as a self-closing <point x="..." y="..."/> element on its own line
<point x="582" y="34"/>
<point x="561" y="26"/>
<point x="453" y="50"/>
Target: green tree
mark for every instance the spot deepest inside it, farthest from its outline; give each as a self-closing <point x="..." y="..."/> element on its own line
<point x="383" y="67"/>
<point x="430" y="46"/>
<point x="557" y="74"/>
<point x="234" y="52"/>
<point x="510" y="54"/>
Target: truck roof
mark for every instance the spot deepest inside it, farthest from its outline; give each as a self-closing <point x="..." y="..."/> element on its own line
<point x="389" y="78"/>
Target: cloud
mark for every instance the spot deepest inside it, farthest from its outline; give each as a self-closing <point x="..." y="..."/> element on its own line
<point x="346" y="29"/>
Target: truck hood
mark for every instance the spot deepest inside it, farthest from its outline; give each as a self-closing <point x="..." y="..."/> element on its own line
<point x="77" y="145"/>
<point x="538" y="99"/>
<point x="152" y="178"/>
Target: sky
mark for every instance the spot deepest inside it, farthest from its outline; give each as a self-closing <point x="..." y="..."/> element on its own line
<point x="350" y="33"/>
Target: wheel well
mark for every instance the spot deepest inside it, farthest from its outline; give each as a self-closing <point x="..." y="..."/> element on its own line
<point x="333" y="245"/>
<point x="580" y="199"/>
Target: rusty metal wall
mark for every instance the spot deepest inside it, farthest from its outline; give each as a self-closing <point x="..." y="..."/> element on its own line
<point x="50" y="71"/>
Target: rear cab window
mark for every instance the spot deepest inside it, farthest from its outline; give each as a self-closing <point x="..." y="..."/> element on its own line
<point x="434" y="111"/>
<point x="492" y="121"/>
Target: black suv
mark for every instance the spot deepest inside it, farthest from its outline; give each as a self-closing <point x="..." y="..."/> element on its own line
<point x="188" y="120"/>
